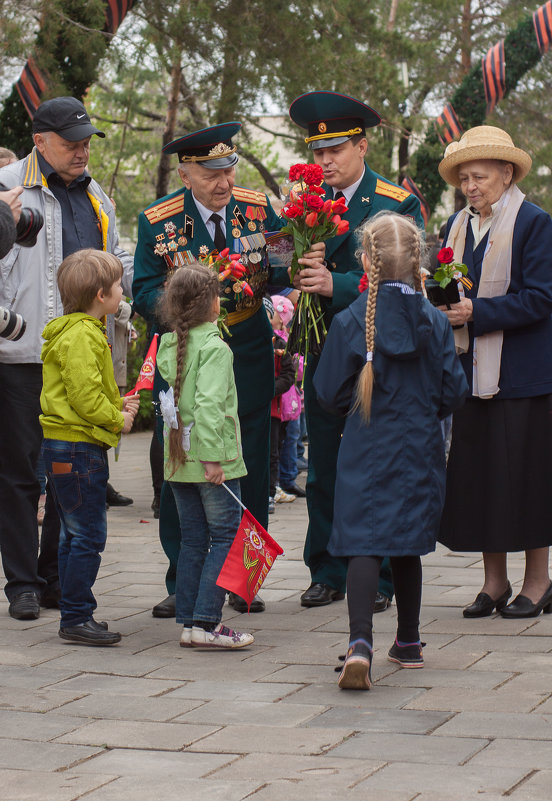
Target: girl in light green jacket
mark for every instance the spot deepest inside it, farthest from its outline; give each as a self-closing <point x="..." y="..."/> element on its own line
<point x="202" y="450"/>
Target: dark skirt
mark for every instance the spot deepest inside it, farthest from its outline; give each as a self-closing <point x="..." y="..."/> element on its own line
<point x="499" y="476"/>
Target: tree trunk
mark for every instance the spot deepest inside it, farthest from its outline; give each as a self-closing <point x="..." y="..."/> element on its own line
<point x="164" y="169"/>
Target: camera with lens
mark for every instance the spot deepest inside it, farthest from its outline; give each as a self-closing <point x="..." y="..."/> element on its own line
<point x="30" y="223"/>
<point x="12" y="325"/>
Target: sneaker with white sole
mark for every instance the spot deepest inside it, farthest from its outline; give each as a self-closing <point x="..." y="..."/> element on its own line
<point x="186" y="637"/>
<point x="283" y="497"/>
<point x="356" y="672"/>
<point x="407" y="656"/>
<point x="220" y="637"/>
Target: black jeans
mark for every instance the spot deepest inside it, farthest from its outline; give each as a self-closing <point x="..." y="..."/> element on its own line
<point x="20" y="438"/>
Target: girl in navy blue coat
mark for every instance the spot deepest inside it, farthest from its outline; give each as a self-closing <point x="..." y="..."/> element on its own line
<point x="389" y="364"/>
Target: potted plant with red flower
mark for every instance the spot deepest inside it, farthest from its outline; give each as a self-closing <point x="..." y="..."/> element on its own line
<point x="442" y="288"/>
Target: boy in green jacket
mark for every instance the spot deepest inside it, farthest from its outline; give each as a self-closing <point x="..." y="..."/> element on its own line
<point x="82" y="416"/>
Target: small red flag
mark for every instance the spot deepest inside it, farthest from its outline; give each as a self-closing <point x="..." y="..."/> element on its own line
<point x="147" y="370"/>
<point x="249" y="559"/>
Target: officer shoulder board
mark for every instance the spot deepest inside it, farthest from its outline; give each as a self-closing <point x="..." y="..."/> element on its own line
<point x="249" y="196"/>
<point x="165" y="208"/>
<point x="391" y="190"/>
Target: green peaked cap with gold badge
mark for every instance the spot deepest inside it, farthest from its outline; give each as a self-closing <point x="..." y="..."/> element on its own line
<point x="211" y="147"/>
<point x="331" y="118"/>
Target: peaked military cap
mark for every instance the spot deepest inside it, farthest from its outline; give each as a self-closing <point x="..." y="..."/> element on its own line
<point x="211" y="147"/>
<point x="331" y="118"/>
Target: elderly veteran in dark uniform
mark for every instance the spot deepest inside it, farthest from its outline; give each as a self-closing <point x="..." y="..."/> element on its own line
<point x="336" y="126"/>
<point x="209" y="212"/>
<point x="499" y="473"/>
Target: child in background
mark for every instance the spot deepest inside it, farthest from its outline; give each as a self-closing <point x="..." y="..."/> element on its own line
<point x="202" y="449"/>
<point x="291" y="404"/>
<point x="82" y="416"/>
<point x="284" y="376"/>
<point x="389" y="364"/>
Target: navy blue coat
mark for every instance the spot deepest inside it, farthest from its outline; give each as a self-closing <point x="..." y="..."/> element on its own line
<point x="524" y="313"/>
<point x="390" y="482"/>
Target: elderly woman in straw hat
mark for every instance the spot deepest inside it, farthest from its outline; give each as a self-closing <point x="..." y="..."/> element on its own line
<point x="499" y="480"/>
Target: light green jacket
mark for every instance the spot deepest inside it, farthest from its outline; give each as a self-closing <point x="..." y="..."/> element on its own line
<point x="80" y="399"/>
<point x="208" y="399"/>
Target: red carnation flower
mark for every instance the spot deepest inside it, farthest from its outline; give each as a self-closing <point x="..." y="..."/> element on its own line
<point x="445" y="255"/>
<point x="292" y="211"/>
<point x="314" y="202"/>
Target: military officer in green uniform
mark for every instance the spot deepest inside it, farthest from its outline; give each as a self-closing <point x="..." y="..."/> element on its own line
<point x="336" y="132"/>
<point x="209" y="212"/>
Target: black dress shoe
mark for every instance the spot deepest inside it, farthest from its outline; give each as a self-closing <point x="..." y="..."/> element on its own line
<point x="89" y="633"/>
<point x="320" y="595"/>
<point x="25" y="606"/>
<point x="382" y="602"/>
<point x="483" y="605"/>
<point x="114" y="498"/>
<point x="100" y="624"/>
<point x="294" y="489"/>
<point x="166" y="608"/>
<point x="155" y="506"/>
<point x="522" y="606"/>
<point x="237" y="603"/>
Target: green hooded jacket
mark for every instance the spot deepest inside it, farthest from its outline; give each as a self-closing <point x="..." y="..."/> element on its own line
<point x="208" y="399"/>
<point x="80" y="399"/>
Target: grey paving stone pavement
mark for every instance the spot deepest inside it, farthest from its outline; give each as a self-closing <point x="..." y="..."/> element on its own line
<point x="149" y="720"/>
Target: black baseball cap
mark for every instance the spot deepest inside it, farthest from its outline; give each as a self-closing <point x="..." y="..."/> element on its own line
<point x="65" y="116"/>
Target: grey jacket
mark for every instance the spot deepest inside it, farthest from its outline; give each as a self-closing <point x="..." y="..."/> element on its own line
<point x="28" y="283"/>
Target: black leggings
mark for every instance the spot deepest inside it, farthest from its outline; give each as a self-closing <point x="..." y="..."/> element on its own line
<point x="362" y="585"/>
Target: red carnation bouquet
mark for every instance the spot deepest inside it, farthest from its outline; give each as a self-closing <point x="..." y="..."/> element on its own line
<point x="310" y="218"/>
<point x="227" y="265"/>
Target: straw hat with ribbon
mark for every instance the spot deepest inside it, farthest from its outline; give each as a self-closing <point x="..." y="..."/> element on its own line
<point x="483" y="142"/>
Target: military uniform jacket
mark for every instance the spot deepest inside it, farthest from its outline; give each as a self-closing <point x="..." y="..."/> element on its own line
<point x="373" y="194"/>
<point x="171" y="232"/>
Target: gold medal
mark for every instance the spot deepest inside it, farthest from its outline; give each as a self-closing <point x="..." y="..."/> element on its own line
<point x="236" y="233"/>
<point x="252" y="225"/>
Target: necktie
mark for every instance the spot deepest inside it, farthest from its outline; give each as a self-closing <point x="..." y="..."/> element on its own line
<point x="219" y="238"/>
<point x="339" y="195"/>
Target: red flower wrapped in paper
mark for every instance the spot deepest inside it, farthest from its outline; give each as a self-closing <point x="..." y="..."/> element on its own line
<point x="310" y="218"/>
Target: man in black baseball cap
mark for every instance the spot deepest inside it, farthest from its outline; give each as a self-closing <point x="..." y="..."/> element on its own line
<point x="65" y="116"/>
<point x="77" y="214"/>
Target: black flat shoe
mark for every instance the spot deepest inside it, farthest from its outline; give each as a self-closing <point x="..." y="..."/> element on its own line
<point x="484" y="605"/>
<point x="320" y="595"/>
<point x="294" y="489"/>
<point x="382" y="602"/>
<point x="25" y="606"/>
<point x="114" y="498"/>
<point x="237" y="603"/>
<point x="89" y="633"/>
<point x="166" y="608"/>
<point x="522" y="606"/>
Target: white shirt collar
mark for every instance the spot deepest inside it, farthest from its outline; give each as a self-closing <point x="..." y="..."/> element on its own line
<point x="206" y="213"/>
<point x="349" y="191"/>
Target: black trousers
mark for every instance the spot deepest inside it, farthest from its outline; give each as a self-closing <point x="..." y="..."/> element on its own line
<point x="20" y="439"/>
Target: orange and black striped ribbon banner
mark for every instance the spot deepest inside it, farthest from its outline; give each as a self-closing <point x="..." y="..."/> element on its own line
<point x="115" y="12"/>
<point x="542" y="20"/>
<point x="493" y="67"/>
<point x="448" y="126"/>
<point x="410" y="185"/>
<point x="31" y="86"/>
<point x="32" y="83"/>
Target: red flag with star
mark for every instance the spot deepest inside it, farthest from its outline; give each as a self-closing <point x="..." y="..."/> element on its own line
<point x="249" y="559"/>
<point x="147" y="370"/>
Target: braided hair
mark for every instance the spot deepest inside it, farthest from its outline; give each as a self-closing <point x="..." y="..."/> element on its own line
<point x="186" y="303"/>
<point x="393" y="247"/>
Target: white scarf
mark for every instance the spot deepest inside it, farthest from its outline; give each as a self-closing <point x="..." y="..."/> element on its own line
<point x="496" y="270"/>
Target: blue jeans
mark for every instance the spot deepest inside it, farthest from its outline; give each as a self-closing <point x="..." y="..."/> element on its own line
<point x="79" y="495"/>
<point x="288" y="453"/>
<point x="209" y="520"/>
